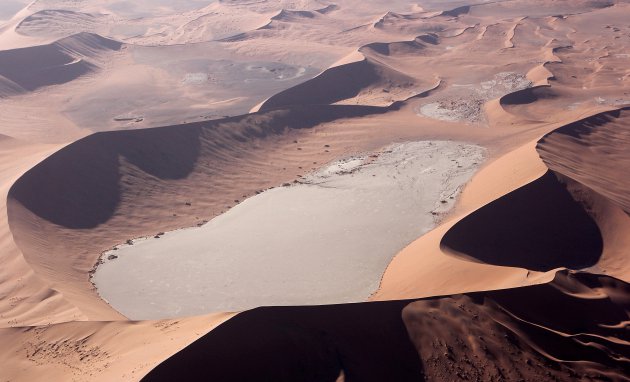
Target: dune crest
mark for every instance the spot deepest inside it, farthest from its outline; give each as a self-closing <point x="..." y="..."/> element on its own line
<point x="125" y="124"/>
<point x="67" y="59"/>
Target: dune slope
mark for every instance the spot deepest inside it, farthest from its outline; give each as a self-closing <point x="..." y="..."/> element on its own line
<point x="538" y="227"/>
<point x="65" y="60"/>
<point x="547" y="297"/>
<point x="502" y="335"/>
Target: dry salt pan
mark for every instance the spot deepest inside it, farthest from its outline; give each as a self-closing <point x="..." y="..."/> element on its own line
<point x="325" y="241"/>
<point x="466" y="102"/>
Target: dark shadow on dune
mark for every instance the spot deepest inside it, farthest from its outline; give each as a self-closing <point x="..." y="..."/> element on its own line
<point x="570" y="329"/>
<point x="310" y="343"/>
<point x="337" y="84"/>
<point x="327" y="9"/>
<point x="80" y="185"/>
<point x="585" y="127"/>
<point x="457" y="11"/>
<point x="564" y="306"/>
<point x="538" y="226"/>
<point x="400" y="48"/>
<point x="34" y="67"/>
<point x="527" y="96"/>
<point x="593" y="152"/>
<point x="38" y="66"/>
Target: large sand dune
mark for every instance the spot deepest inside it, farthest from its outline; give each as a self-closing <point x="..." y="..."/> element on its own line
<point x="523" y="277"/>
<point x="539" y="227"/>
<point x="369" y="341"/>
<point x="65" y="60"/>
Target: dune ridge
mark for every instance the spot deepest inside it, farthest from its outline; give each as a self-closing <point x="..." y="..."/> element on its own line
<point x="67" y="59"/>
<point x="355" y="80"/>
<point x="490" y="315"/>
<point x="46" y="213"/>
<point x="41" y="23"/>
<point x="327" y="340"/>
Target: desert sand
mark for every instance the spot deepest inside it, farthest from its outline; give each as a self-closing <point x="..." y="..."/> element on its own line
<point x="125" y="120"/>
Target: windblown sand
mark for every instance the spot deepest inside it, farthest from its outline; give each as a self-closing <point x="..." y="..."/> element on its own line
<point x="327" y="240"/>
<point x="524" y="279"/>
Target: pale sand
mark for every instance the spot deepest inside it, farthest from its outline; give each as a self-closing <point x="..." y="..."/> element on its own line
<point x="322" y="242"/>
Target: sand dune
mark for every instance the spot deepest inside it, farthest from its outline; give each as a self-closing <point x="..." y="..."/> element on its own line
<point x="358" y="80"/>
<point x="97" y="351"/>
<point x="533" y="328"/>
<point x="400" y="48"/>
<point x="538" y="227"/>
<point x="46" y="22"/>
<point x="66" y="60"/>
<point x="369" y="341"/>
<point x="604" y="135"/>
<point x="26" y="299"/>
<point x="524" y="276"/>
<point x="590" y="174"/>
<point x="21" y="67"/>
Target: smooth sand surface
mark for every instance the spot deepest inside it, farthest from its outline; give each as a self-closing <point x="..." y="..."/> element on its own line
<point x="339" y="231"/>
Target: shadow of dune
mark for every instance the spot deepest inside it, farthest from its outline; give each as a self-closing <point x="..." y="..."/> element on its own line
<point x="594" y="152"/>
<point x="80" y="185"/>
<point x="24" y="66"/>
<point x="337" y="84"/>
<point x="527" y="333"/>
<point x="400" y="48"/>
<point x="538" y="226"/>
<point x="57" y="63"/>
<point x="309" y="343"/>
<point x="457" y="11"/>
<point x="527" y="96"/>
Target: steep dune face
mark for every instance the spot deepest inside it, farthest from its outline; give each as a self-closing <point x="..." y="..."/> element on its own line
<point x="526" y="96"/>
<point x="22" y="67"/>
<point x="591" y="155"/>
<point x="565" y="218"/>
<point x="344" y="82"/>
<point x="527" y="333"/>
<point x="51" y="189"/>
<point x="170" y="155"/>
<point x="61" y="62"/>
<point x="87" y="45"/>
<point x="24" y="298"/>
<point x="538" y="227"/>
<point x="105" y="189"/>
<point x="56" y="23"/>
<point x="310" y="343"/>
<point x="504" y="335"/>
<point x="402" y="48"/>
<point x="594" y="152"/>
<point x="9" y="88"/>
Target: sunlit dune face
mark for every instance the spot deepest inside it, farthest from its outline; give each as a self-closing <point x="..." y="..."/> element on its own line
<point x="313" y="190"/>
